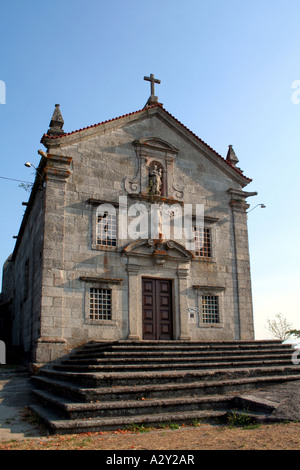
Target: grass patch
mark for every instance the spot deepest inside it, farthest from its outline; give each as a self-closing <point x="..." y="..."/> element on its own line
<point x="138" y="428"/>
<point x="241" y="420"/>
<point x="197" y="422"/>
<point x="169" y="425"/>
<point x="174" y="426"/>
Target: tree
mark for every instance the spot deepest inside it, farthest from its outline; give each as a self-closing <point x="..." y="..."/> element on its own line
<point x="280" y="328"/>
<point x="295" y="333"/>
<point x="26" y="186"/>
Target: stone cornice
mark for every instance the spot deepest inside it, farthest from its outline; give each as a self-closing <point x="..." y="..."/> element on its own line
<point x="209" y="288"/>
<point x="99" y="279"/>
<point x="238" y="194"/>
<point x="154" y="144"/>
<point x="155" y="199"/>
<point x="57" y="167"/>
<point x="98" y="202"/>
<point x="238" y="199"/>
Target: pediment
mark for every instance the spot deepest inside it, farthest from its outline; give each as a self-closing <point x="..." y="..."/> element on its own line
<point x="150" y="144"/>
<point x="157" y="144"/>
<point x="159" y="250"/>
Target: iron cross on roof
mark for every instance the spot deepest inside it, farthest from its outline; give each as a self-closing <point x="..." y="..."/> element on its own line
<point x="153" y="80"/>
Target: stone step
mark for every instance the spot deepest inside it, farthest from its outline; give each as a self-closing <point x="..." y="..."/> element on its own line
<point x="108" y="379"/>
<point x="188" y="344"/>
<point x="56" y="424"/>
<point x="109" y="386"/>
<point x="146" y="366"/>
<point x="253" y="403"/>
<point x="62" y="387"/>
<point x="161" y="356"/>
<point x="175" y="346"/>
<point x="135" y="392"/>
<point x="96" y="409"/>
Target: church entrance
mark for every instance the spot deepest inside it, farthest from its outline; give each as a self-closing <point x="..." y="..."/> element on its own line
<point x="157" y="309"/>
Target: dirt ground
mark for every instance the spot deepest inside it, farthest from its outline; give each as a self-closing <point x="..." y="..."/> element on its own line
<point x="283" y="436"/>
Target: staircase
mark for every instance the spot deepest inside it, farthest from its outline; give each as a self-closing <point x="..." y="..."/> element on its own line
<point x="106" y="386"/>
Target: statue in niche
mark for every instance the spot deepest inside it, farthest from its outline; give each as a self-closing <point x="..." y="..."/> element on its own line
<point x="155" y="180"/>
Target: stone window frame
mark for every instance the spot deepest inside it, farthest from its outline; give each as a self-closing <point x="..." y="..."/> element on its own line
<point x="212" y="315"/>
<point x="215" y="291"/>
<point x="101" y="283"/>
<point x="100" y="299"/>
<point x="94" y="245"/>
<point x="112" y="223"/>
<point x="206" y="230"/>
<point x="210" y="224"/>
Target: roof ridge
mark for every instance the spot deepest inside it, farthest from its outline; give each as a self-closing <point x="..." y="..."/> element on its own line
<point x="208" y="146"/>
<point x="53" y="137"/>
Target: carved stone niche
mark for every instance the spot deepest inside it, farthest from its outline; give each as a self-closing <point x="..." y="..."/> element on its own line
<point x="154" y="154"/>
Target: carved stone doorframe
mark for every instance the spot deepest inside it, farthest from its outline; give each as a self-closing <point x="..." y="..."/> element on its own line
<point x="179" y="278"/>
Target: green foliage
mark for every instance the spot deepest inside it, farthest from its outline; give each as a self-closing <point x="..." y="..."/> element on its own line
<point x="295" y="333"/>
<point x="174" y="426"/>
<point x="241" y="420"/>
<point x="138" y="428"/>
<point x="197" y="422"/>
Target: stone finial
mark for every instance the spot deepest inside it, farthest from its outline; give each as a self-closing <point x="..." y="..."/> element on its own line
<point x="56" y="123"/>
<point x="231" y="156"/>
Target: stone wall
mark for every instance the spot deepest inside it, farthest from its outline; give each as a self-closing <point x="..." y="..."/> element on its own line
<point x="7" y="281"/>
<point x="27" y="275"/>
<point x="57" y="260"/>
<point x="95" y="169"/>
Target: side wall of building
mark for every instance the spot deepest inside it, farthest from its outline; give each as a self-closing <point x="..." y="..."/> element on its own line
<point x="6" y="301"/>
<point x="26" y="276"/>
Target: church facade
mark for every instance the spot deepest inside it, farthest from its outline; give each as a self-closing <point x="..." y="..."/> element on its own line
<point x="134" y="229"/>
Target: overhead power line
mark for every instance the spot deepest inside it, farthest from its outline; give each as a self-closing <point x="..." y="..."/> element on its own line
<point x="12" y="179"/>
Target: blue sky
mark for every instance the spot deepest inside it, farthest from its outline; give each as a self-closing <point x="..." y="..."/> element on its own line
<point x="226" y="69"/>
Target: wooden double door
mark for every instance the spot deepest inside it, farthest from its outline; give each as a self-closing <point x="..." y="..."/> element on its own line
<point x="157" y="309"/>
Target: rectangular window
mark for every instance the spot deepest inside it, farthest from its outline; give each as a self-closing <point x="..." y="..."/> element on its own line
<point x="106" y="230"/>
<point x="210" y="309"/>
<point x="100" y="304"/>
<point x="202" y="242"/>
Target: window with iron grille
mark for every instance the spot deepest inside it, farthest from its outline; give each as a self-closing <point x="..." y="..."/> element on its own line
<point x="106" y="229"/>
<point x="210" y="309"/>
<point x="100" y="304"/>
<point x="202" y="242"/>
